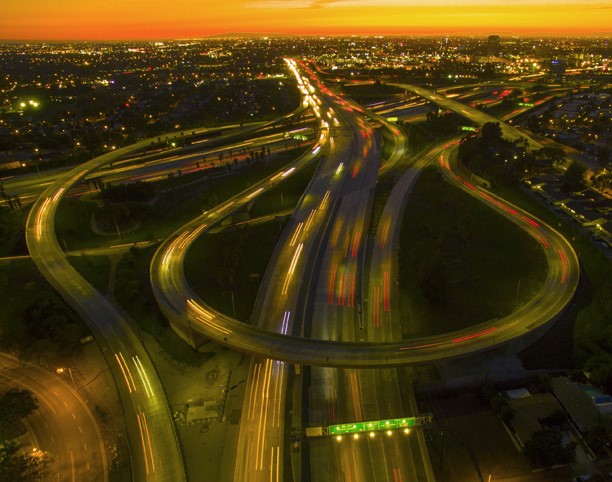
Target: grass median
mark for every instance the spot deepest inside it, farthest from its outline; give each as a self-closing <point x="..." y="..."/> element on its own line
<point x="95" y="269"/>
<point x="461" y="263"/>
<point x="225" y="269"/>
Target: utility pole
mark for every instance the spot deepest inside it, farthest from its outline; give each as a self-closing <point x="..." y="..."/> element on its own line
<point x="233" y="305"/>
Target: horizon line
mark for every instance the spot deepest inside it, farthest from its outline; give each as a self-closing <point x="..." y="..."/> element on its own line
<point x="314" y="35"/>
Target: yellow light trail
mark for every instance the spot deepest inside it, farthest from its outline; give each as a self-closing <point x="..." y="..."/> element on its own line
<point x="143" y="376"/>
<point x="294" y="261"/>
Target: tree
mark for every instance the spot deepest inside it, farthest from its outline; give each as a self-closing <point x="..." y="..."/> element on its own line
<point x="550" y="156"/>
<point x="21" y="467"/>
<point x="46" y="321"/>
<point x="502" y="408"/>
<point x="491" y="132"/>
<point x="598" y="439"/>
<point x="16" y="404"/>
<point x="603" y="154"/>
<point x="545" y="449"/>
<point x="599" y="478"/>
<point x="573" y="178"/>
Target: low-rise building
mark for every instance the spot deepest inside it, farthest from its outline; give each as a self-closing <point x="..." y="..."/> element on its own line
<point x="581" y="213"/>
<point x="529" y="410"/>
<point x="553" y="194"/>
<point x="580" y="402"/>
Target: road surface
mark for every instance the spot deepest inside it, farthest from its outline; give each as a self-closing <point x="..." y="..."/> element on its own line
<point x="63" y="426"/>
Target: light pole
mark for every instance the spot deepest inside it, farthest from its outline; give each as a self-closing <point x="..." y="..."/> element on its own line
<point x="38" y="159"/>
<point x="61" y="370"/>
<point x="72" y="378"/>
<point x="233" y="305"/>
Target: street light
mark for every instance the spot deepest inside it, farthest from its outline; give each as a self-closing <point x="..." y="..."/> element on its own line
<point x="233" y="305"/>
<point x="62" y="370"/>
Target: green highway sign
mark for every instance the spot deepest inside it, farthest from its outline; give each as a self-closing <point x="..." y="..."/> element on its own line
<point x="372" y="426"/>
<point x="346" y="428"/>
<point x="392" y="119"/>
<point x="385" y="424"/>
<point x="406" y="422"/>
<point x="526" y="104"/>
<point x="467" y="128"/>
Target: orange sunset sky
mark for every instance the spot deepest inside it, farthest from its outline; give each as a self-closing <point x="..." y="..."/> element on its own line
<point x="162" y="19"/>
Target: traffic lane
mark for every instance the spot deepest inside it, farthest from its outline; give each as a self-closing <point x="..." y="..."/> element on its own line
<point x="63" y="425"/>
<point x="379" y="320"/>
<point x="144" y="417"/>
<point x="261" y="439"/>
<point x="337" y="285"/>
<point x="380" y="397"/>
<point x="197" y="161"/>
<point x="30" y="185"/>
<point x="260" y="448"/>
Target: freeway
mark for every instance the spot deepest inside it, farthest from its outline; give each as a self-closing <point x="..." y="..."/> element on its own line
<point x="63" y="426"/>
<point x="261" y="440"/>
<point x="341" y="395"/>
<point x="383" y="323"/>
<point x="153" y="168"/>
<point x="175" y="297"/>
<point x="348" y="395"/>
<point x="470" y="113"/>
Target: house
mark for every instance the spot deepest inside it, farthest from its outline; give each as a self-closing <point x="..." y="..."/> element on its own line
<point x="579" y="401"/>
<point x="530" y="410"/>
<point x="584" y="215"/>
<point x="553" y="194"/>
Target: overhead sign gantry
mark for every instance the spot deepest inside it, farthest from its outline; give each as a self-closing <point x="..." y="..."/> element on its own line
<point x="370" y="426"/>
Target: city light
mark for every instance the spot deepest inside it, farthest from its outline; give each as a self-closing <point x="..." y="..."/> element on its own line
<point x="260" y="187"/>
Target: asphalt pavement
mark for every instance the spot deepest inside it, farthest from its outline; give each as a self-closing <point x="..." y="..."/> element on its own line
<point x="63" y="426"/>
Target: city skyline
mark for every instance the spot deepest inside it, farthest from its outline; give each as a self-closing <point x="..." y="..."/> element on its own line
<point x="140" y="20"/>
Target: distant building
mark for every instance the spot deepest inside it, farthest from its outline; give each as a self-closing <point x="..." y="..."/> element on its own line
<point x="493" y="45"/>
<point x="542" y="52"/>
<point x="556" y="67"/>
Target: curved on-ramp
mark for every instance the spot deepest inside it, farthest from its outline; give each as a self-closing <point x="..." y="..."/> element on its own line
<point x="155" y="451"/>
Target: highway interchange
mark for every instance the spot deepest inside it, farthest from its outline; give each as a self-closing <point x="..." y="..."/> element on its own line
<point x="191" y="315"/>
<point x="316" y="274"/>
